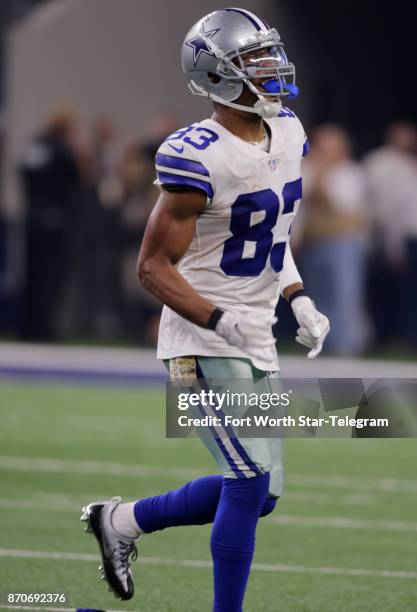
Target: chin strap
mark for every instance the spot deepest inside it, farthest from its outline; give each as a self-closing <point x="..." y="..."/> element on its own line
<point x="262" y="107"/>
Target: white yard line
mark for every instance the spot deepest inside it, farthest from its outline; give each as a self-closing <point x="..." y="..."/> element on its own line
<point x="326" y="522"/>
<point x="320" y="498"/>
<point x="14" y="607"/>
<point x="341" y="481"/>
<point x="30" y="504"/>
<point x="343" y="522"/>
<point x="69" y="466"/>
<point x="195" y="563"/>
<point x="291" y="496"/>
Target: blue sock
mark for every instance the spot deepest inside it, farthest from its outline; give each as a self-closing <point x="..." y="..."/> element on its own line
<point x="269" y="506"/>
<point x="233" y="539"/>
<point x="193" y="504"/>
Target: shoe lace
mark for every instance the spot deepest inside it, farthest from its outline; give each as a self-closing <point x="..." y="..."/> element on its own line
<point x="123" y="553"/>
<point x="125" y="549"/>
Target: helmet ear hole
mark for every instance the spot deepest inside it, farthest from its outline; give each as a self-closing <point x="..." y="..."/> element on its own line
<point x="214" y="78"/>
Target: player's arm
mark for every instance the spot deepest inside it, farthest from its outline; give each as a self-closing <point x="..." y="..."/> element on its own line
<point x="168" y="235"/>
<point x="288" y="291"/>
<point x="314" y="326"/>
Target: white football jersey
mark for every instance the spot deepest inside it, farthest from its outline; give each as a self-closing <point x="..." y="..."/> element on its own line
<point x="239" y="258"/>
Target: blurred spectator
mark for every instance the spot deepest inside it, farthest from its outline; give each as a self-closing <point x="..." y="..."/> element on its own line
<point x="140" y="308"/>
<point x="88" y="205"/>
<point x="50" y="175"/>
<point x="108" y="193"/>
<point x="160" y="126"/>
<point x="391" y="172"/>
<point x="141" y="311"/>
<point x="95" y="294"/>
<point x="332" y="237"/>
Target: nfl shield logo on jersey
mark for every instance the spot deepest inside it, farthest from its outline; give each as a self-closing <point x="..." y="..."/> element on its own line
<point x="272" y="164"/>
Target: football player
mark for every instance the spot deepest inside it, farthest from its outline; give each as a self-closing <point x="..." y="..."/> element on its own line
<point x="216" y="252"/>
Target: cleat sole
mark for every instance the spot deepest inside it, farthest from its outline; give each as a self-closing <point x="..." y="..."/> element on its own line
<point x="85" y="518"/>
<point x="90" y="516"/>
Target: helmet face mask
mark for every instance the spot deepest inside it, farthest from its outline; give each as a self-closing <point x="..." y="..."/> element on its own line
<point x="230" y="44"/>
<point x="266" y="65"/>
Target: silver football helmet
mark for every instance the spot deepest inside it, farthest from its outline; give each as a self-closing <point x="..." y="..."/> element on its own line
<point x="232" y="47"/>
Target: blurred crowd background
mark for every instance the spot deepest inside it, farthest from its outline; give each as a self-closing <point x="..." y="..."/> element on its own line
<point x="77" y="189"/>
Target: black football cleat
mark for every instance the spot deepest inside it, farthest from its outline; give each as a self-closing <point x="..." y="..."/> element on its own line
<point x="116" y="550"/>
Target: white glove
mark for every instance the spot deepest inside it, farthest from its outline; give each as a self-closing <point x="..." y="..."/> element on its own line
<point x="252" y="335"/>
<point x="314" y="326"/>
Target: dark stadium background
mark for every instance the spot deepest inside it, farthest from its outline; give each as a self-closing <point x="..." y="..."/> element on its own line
<point x="358" y="57"/>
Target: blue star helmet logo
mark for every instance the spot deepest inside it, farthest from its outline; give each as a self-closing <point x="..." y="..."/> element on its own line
<point x="199" y="45"/>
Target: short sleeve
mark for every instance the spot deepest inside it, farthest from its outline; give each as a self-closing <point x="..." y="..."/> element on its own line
<point x="177" y="164"/>
<point x="297" y="144"/>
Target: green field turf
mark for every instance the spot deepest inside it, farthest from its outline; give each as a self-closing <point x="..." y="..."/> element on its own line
<point x="350" y="506"/>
